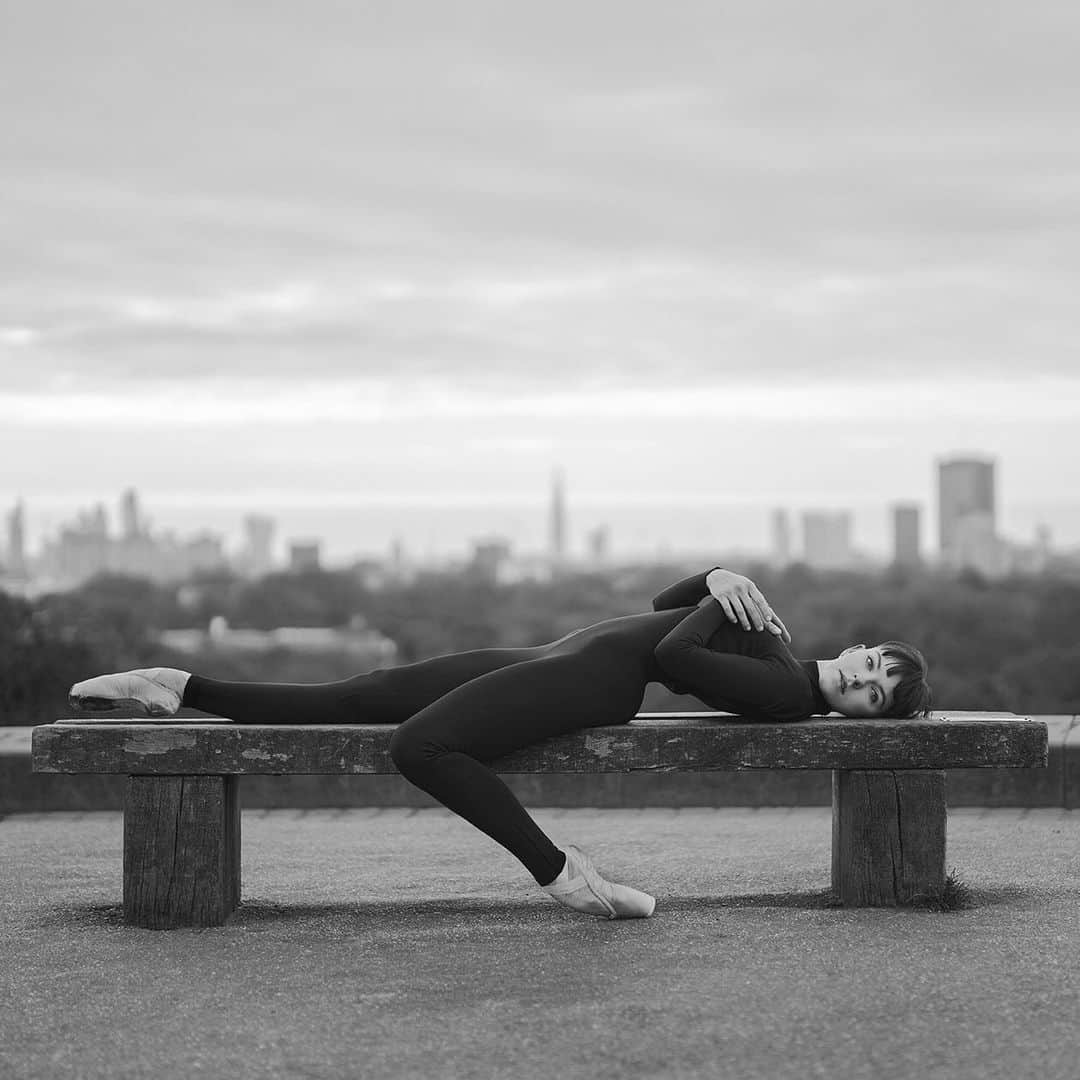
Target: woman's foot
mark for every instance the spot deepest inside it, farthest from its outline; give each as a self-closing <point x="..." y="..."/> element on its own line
<point x="581" y="887"/>
<point x="143" y="692"/>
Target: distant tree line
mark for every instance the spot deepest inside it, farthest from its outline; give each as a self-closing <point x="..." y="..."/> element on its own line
<point x="1004" y="645"/>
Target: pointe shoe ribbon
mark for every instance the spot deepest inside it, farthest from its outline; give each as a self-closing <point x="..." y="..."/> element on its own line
<point x="139" y="693"/>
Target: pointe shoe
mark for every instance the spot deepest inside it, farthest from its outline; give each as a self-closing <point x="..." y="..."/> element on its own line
<point x="142" y="692"/>
<point x="588" y="892"/>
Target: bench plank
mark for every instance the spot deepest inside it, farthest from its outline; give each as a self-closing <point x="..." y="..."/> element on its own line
<point x="695" y="742"/>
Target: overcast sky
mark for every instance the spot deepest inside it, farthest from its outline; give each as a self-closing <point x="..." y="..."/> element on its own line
<point x="318" y="254"/>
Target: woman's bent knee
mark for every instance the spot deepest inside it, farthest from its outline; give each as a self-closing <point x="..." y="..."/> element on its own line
<point x="411" y="753"/>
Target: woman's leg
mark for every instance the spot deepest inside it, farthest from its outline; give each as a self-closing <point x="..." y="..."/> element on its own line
<point x="382" y="696"/>
<point x="444" y="747"/>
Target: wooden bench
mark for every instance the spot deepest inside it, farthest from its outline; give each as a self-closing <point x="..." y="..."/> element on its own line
<point x="182" y="811"/>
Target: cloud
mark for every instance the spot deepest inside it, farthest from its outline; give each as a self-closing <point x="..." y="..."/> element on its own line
<point x="782" y="193"/>
<point x="232" y="404"/>
<point x="17" y="337"/>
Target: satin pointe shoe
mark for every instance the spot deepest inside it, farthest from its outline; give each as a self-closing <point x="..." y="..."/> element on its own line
<point x="587" y="891"/>
<point x="142" y="692"/>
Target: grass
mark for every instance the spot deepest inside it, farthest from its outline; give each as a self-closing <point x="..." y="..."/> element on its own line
<point x="952" y="895"/>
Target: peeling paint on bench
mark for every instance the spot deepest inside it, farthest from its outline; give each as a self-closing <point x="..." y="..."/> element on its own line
<point x="600" y="745"/>
<point x="160" y="741"/>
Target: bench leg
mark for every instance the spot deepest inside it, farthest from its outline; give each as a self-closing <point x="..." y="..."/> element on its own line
<point x="181" y="850"/>
<point x="888" y="838"/>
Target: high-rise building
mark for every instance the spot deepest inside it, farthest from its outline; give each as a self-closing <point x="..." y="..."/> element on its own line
<point x="558" y="518"/>
<point x="827" y="538"/>
<point x="84" y="548"/>
<point x="259" y="538"/>
<point x="93" y="522"/>
<point x="304" y="555"/>
<point x="965" y="486"/>
<point x="16" y="539"/>
<point x="976" y="545"/>
<point x="131" y="524"/>
<point x="907" y="548"/>
<point x="781" y="537"/>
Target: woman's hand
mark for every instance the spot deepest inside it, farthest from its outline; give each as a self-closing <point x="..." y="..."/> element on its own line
<point x="744" y="603"/>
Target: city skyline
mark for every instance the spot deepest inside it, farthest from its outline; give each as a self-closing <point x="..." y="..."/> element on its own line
<point x="969" y="534"/>
<point x="752" y="268"/>
<point x="375" y="524"/>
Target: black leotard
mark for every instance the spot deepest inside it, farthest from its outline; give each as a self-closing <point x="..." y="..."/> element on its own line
<point x="457" y="712"/>
<point x="734" y="670"/>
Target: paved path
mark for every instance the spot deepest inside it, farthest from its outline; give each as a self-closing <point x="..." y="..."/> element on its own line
<point x="402" y="943"/>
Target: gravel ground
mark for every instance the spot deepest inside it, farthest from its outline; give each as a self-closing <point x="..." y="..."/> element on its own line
<point x="401" y="943"/>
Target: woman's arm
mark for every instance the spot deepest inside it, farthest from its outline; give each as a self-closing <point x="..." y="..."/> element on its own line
<point x="741" y="600"/>
<point x="718" y="678"/>
<point x="683" y="593"/>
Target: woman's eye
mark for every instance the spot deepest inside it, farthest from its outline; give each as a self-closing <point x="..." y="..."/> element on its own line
<point x="870" y="663"/>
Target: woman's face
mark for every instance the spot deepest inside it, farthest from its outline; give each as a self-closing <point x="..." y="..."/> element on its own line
<point x="855" y="683"/>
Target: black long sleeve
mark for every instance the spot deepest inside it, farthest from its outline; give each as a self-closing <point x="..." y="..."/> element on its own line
<point x="735" y="670"/>
<point x="683" y="593"/>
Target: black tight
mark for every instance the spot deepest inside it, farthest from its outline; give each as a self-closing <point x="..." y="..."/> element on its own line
<point x="455" y="713"/>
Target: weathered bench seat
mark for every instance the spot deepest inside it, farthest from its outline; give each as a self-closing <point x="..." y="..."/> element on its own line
<point x="182" y="816"/>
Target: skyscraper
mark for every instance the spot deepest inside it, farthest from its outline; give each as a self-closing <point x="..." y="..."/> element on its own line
<point x="906" y="540"/>
<point x="827" y="538"/>
<point x="130" y="518"/>
<point x="16" y="539"/>
<point x="781" y="537"/>
<point x="259" y="533"/>
<point x="558" y="518"/>
<point x="965" y="487"/>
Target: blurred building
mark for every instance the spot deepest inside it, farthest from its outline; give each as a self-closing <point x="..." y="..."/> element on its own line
<point x="398" y="557"/>
<point x="975" y="545"/>
<point x="1035" y="558"/>
<point x="304" y="555"/>
<point x="79" y="551"/>
<point x="15" y="556"/>
<point x="131" y="522"/>
<point x="966" y="490"/>
<point x="489" y="559"/>
<point x="257" y="559"/>
<point x="85" y="547"/>
<point x="135" y="551"/>
<point x="827" y="539"/>
<point x="907" y="545"/>
<point x="780" y="529"/>
<point x="557" y="523"/>
<point x="599" y="544"/>
<point x="358" y="640"/>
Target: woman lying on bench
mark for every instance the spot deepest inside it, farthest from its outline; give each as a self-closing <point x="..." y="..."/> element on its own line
<point x="712" y="635"/>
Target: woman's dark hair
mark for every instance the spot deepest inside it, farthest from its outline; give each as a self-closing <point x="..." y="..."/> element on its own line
<point x="912" y="695"/>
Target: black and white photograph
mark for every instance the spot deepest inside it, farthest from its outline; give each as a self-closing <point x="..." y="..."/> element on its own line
<point x="539" y="540"/>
